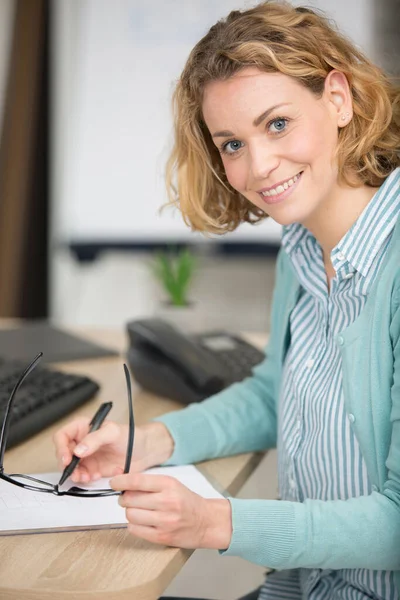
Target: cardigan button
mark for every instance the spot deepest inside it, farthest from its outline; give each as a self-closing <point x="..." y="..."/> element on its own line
<point x="351" y="418"/>
<point x="340" y="340"/>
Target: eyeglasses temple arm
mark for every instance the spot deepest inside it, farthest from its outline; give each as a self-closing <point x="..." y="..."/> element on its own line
<point x="131" y="422"/>
<point x="6" y="420"/>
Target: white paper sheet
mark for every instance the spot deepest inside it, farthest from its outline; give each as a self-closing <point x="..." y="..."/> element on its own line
<point x="25" y="511"/>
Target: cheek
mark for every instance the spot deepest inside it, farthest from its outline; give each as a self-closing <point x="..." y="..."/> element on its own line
<point x="305" y="148"/>
<point x="320" y="144"/>
<point x="236" y="174"/>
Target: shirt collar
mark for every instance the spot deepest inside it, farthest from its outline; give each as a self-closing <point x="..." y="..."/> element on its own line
<point x="293" y="235"/>
<point x="360" y="245"/>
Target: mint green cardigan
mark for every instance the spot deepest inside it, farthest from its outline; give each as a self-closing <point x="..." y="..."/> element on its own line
<point x="361" y="532"/>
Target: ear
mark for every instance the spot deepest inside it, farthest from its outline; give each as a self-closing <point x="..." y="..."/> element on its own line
<point x="338" y="96"/>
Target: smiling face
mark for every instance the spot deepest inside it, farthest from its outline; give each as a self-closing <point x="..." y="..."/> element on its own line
<point x="277" y="140"/>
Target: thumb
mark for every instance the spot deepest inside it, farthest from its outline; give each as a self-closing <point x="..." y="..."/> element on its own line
<point x="107" y="434"/>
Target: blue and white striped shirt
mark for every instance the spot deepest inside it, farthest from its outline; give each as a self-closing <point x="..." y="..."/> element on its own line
<point x="318" y="453"/>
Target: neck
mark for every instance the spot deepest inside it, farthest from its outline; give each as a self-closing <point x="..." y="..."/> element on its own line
<point x="336" y="216"/>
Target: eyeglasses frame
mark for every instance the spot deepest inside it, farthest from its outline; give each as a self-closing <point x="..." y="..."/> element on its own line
<point x="54" y="488"/>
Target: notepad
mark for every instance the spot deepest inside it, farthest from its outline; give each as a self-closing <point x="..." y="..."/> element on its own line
<point x="23" y="511"/>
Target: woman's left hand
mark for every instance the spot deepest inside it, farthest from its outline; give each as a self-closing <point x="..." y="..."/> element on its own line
<point x="162" y="510"/>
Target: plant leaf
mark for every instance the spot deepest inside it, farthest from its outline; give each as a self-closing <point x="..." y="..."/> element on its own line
<point x="175" y="274"/>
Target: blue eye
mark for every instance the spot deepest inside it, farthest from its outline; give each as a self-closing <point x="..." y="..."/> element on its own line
<point x="278" y="124"/>
<point x="231" y="147"/>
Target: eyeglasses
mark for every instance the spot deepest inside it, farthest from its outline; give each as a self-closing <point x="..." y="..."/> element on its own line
<point x="37" y="485"/>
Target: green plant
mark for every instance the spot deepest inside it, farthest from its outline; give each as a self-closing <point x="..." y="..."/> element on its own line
<point x="174" y="270"/>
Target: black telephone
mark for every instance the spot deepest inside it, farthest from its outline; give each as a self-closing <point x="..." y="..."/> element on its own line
<point x="187" y="368"/>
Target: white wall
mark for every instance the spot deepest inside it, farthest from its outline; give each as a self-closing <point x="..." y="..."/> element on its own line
<point x="115" y="63"/>
<point x="98" y="190"/>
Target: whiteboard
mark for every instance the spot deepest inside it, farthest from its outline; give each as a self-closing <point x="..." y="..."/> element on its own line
<point x="116" y="64"/>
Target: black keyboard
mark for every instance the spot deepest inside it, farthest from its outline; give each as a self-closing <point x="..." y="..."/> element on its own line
<point x="44" y="397"/>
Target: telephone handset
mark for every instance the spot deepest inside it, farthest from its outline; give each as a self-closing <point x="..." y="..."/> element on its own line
<point x="186" y="368"/>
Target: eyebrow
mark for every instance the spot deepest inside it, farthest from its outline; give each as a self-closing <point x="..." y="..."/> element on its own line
<point x="256" y="122"/>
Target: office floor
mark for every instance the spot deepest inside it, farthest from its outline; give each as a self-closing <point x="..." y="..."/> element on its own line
<point x="232" y="293"/>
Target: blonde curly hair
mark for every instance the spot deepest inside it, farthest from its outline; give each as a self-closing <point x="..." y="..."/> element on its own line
<point x="299" y="42"/>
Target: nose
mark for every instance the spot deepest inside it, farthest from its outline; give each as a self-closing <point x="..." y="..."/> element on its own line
<point x="263" y="160"/>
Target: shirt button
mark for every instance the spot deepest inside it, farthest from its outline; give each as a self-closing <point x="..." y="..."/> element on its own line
<point x="292" y="483"/>
<point x="310" y="363"/>
<point x="348" y="276"/>
<point x="351" y="418"/>
<point x="341" y="256"/>
<point x="340" y="340"/>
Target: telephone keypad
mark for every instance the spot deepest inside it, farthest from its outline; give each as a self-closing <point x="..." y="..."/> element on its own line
<point x="239" y="359"/>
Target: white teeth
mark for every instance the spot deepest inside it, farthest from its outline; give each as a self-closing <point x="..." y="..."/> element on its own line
<point x="282" y="187"/>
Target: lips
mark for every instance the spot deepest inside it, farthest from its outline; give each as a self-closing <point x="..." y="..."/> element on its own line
<point x="279" y="188"/>
<point x="281" y="191"/>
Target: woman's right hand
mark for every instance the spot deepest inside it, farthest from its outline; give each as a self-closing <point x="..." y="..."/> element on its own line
<point x="103" y="452"/>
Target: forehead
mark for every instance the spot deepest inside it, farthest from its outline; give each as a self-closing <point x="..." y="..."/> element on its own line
<point x="249" y="91"/>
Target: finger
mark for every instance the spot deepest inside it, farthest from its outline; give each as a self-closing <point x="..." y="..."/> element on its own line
<point x="67" y="455"/>
<point x="141" y="500"/>
<point x="117" y="471"/>
<point x="84" y="476"/>
<point x="73" y="431"/>
<point x="80" y="474"/>
<point x="142" y="482"/>
<point x="140" y="516"/>
<point x="108" y="433"/>
<point x="89" y="466"/>
<point x="150" y="534"/>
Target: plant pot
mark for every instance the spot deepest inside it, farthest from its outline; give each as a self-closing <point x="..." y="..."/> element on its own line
<point x="188" y="318"/>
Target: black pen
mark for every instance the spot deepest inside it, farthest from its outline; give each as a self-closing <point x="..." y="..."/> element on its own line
<point x="94" y="425"/>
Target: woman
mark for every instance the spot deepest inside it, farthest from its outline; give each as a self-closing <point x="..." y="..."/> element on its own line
<point x="278" y="115"/>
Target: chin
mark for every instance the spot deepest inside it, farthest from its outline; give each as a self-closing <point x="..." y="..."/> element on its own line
<point x="286" y="218"/>
<point x="296" y="213"/>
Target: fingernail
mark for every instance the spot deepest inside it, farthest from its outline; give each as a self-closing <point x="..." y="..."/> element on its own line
<point x="81" y="449"/>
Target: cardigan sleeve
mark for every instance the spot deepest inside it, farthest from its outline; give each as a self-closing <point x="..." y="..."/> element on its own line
<point x="361" y="532"/>
<point x="241" y="418"/>
<point x="237" y="420"/>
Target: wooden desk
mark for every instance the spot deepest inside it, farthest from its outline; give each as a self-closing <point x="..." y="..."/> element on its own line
<point x="111" y="564"/>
